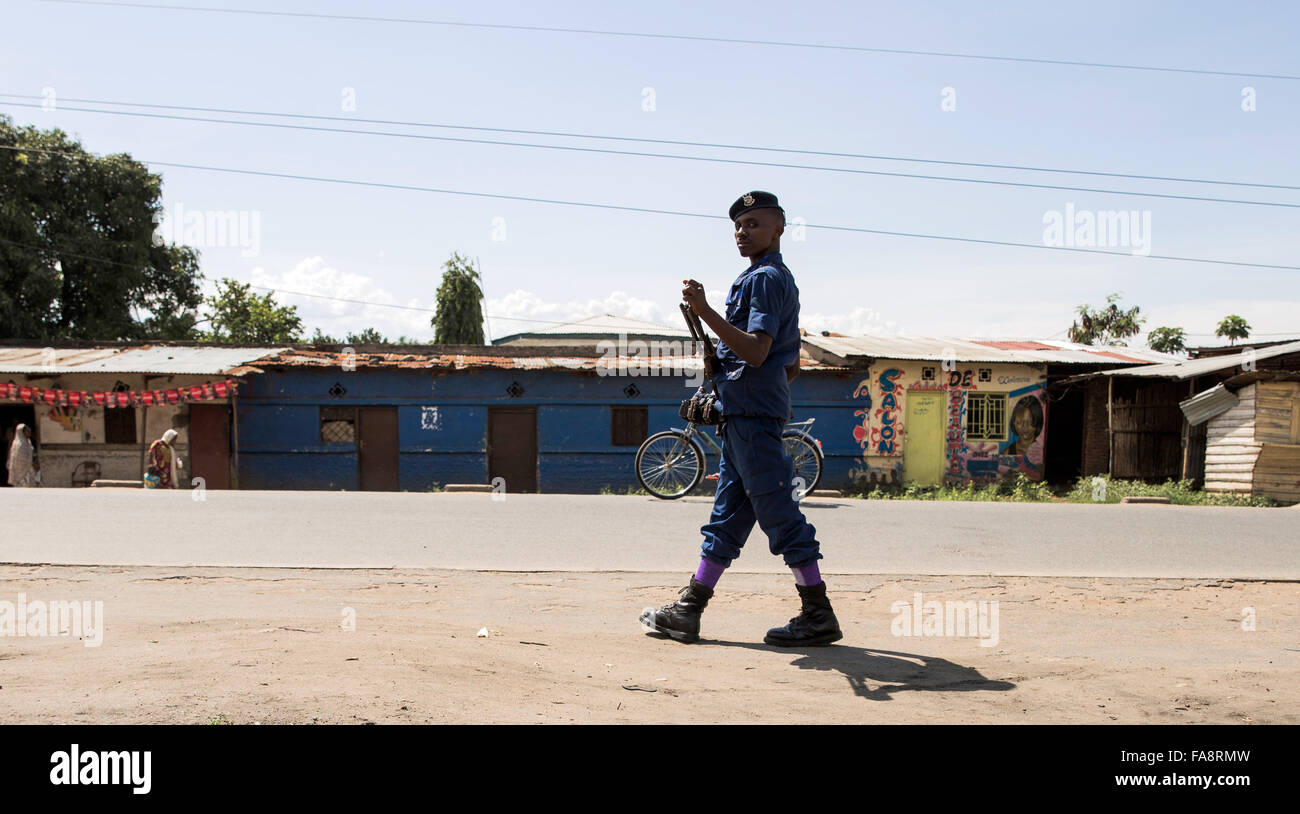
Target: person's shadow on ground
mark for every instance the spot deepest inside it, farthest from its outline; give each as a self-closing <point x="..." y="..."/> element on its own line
<point x="889" y="671"/>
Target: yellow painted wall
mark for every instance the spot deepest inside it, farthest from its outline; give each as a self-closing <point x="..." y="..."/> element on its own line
<point x="879" y="429"/>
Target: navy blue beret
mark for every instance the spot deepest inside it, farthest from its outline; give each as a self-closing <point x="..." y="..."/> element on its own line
<point x="754" y="200"/>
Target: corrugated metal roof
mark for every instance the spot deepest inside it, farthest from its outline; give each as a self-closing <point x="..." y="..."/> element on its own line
<point x="1204" y="406"/>
<point x="1235" y="383"/>
<point x="463" y="361"/>
<point x="1015" y="344"/>
<point x="1191" y="368"/>
<point x="33" y="360"/>
<point x="980" y="350"/>
<point x="1202" y="351"/>
<point x="142" y="359"/>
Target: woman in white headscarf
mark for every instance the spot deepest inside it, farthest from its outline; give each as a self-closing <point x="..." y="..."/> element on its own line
<point x="22" y="471"/>
<point x="162" y="462"/>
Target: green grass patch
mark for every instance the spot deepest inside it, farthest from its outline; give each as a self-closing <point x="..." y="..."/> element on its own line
<point x="629" y="490"/>
<point x="1086" y="489"/>
<point x="1019" y="488"/>
<point x="1103" y="489"/>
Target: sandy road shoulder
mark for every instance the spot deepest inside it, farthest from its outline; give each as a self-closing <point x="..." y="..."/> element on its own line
<point x="186" y="645"/>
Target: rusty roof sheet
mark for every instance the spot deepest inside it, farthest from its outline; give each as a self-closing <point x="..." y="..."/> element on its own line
<point x="303" y="358"/>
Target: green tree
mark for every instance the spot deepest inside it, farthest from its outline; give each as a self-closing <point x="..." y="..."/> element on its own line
<point x="459" y="316"/>
<point x="78" y="257"/>
<point x="1233" y="327"/>
<point x="320" y="338"/>
<point x="370" y="336"/>
<point x="241" y="316"/>
<point x="1105" y="326"/>
<point x="1167" y="340"/>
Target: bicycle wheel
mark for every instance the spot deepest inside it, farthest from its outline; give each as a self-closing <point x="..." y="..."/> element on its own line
<point x="668" y="466"/>
<point x="807" y="460"/>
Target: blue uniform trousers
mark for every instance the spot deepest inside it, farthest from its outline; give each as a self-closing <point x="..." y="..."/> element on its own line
<point x="754" y="486"/>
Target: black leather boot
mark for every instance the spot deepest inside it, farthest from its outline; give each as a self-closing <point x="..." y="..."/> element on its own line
<point x="815" y="625"/>
<point x="680" y="619"/>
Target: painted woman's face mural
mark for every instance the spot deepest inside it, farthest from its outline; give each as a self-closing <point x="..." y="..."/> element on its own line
<point x="1023" y="423"/>
<point x="1027" y="423"/>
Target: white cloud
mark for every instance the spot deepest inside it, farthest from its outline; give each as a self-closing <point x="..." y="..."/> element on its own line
<point x="860" y="321"/>
<point x="521" y="311"/>
<point x="338" y="317"/>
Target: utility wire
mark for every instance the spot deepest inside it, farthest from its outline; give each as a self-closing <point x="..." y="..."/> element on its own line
<point x="672" y="142"/>
<point x="649" y="211"/>
<point x="1295" y="333"/>
<point x="646" y="210"/>
<point x="274" y="290"/>
<point x="706" y="159"/>
<point x="686" y="37"/>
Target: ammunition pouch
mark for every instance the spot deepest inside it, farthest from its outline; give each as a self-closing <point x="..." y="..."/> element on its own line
<point x="701" y="408"/>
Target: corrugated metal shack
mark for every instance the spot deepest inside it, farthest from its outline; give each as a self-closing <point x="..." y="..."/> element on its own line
<point x="77" y="445"/>
<point x="1134" y="426"/>
<point x="1252" y="434"/>
<point x="950" y="409"/>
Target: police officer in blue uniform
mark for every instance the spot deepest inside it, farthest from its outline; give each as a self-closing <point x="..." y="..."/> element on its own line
<point x="757" y="358"/>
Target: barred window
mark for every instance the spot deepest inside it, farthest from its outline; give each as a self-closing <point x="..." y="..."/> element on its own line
<point x="986" y="416"/>
<point x="628" y="426"/>
<point x="338" y="425"/>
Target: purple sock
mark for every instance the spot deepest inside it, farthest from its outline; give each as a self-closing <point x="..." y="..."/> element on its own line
<point x="709" y="572"/>
<point x="808" y="574"/>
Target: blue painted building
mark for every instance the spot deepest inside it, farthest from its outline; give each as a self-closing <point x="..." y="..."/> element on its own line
<point x="544" y="419"/>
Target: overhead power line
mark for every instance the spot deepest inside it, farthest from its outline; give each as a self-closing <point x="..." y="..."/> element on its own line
<point x="684" y="37"/>
<point x="632" y="153"/>
<point x="280" y="290"/>
<point x="650" y="211"/>
<point x="1253" y="334"/>
<point x="672" y="142"/>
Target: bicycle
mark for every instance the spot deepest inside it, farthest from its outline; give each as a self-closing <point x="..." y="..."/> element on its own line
<point x="670" y="464"/>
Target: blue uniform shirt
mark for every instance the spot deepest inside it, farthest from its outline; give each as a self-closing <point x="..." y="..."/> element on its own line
<point x="763" y="298"/>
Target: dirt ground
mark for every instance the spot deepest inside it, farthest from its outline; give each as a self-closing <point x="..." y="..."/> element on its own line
<point x="247" y="645"/>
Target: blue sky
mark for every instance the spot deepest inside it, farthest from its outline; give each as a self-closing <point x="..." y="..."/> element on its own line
<point x="549" y="262"/>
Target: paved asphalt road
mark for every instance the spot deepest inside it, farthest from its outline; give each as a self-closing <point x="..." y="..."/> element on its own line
<point x="625" y="533"/>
